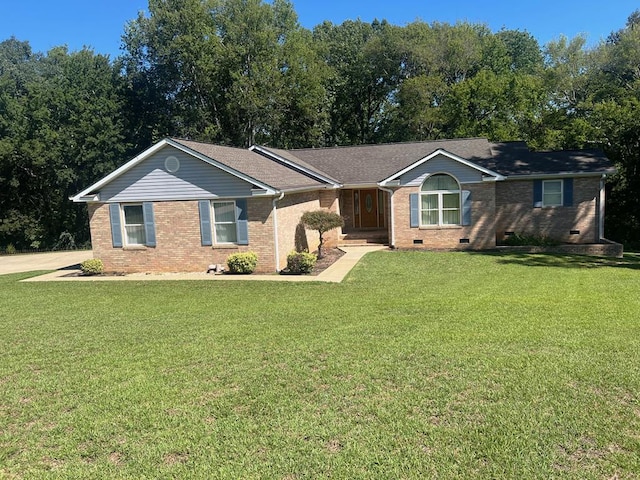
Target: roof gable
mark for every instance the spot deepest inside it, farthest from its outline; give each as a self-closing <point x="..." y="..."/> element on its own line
<point x="440" y="152"/>
<point x="89" y="193"/>
<point x="172" y="174"/>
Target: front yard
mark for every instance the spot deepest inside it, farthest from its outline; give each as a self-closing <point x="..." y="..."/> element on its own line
<point x="419" y="365"/>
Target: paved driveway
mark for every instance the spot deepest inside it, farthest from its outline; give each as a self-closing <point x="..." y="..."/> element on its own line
<point x="41" y="261"/>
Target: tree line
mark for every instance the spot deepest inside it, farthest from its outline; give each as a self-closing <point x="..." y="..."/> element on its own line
<point x="239" y="72"/>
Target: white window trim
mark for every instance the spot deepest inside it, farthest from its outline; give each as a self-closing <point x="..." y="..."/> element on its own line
<point x="214" y="237"/>
<point x="544" y="183"/>
<point x="441" y="209"/>
<point x="124" y="225"/>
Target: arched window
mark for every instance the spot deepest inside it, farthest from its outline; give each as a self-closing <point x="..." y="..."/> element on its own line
<point x="440" y="201"/>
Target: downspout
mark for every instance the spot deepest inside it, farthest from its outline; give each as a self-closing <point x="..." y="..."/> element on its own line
<point x="392" y="240"/>
<point x="275" y="230"/>
<point x="601" y="209"/>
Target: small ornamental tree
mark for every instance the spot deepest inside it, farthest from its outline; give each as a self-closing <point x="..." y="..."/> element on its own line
<point x="322" y="221"/>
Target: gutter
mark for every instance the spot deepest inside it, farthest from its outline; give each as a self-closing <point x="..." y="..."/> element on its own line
<point x="392" y="240"/>
<point x="275" y="229"/>
<point x="556" y="175"/>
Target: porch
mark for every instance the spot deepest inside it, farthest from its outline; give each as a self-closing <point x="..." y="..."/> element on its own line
<point x="366" y="213"/>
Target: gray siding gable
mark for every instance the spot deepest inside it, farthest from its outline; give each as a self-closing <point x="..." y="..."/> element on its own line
<point x="195" y="179"/>
<point x="440" y="164"/>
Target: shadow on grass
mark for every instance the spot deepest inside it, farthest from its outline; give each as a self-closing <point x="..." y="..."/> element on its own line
<point x="630" y="260"/>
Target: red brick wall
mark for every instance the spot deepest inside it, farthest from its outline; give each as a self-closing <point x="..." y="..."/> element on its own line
<point x="290" y="210"/>
<point x="515" y="212"/>
<point x="481" y="232"/>
<point x="179" y="247"/>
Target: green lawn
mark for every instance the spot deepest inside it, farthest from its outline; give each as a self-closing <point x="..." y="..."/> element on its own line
<point x="419" y="365"/>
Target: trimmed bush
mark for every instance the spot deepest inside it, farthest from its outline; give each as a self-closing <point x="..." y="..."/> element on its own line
<point x="322" y="221"/>
<point x="242" y="262"/>
<point x="300" y="262"/>
<point x="93" y="266"/>
<point x="10" y="250"/>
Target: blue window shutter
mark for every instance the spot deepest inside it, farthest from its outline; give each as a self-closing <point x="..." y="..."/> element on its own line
<point x="149" y="224"/>
<point x="567" y="201"/>
<point x="537" y="194"/>
<point x="466" y="207"/>
<point x="206" y="235"/>
<point x="116" y="227"/>
<point x="415" y="214"/>
<point x="242" y="222"/>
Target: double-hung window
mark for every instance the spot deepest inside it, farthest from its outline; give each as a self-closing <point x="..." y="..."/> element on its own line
<point x="552" y="193"/>
<point x="440" y="201"/>
<point x="224" y="222"/>
<point x="134" y="230"/>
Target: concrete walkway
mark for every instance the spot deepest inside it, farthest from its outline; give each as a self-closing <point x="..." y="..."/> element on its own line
<point x="30" y="262"/>
<point x="335" y="273"/>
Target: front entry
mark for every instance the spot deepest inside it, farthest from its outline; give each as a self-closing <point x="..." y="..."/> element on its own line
<point x="366" y="212"/>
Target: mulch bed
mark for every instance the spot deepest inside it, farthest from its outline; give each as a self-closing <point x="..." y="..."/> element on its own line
<point x="329" y="257"/>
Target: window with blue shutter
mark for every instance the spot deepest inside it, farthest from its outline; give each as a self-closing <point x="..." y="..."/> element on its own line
<point x="242" y="222"/>
<point x="116" y="225"/>
<point x="206" y="236"/>
<point x="537" y="194"/>
<point x="224" y="222"/>
<point x="568" y="192"/>
<point x="149" y="224"/>
<point x="466" y="207"/>
<point x="413" y="202"/>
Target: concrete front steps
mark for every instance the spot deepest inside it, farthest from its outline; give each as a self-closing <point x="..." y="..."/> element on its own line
<point x="364" y="237"/>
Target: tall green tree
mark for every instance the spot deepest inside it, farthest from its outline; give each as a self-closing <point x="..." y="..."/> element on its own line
<point x="231" y="71"/>
<point x="365" y="68"/>
<point x="61" y="130"/>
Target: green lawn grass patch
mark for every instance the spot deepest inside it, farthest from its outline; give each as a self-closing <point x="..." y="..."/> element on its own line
<point x="419" y="365"/>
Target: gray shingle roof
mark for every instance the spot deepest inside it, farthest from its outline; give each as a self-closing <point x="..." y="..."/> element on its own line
<point x="514" y="158"/>
<point x="367" y="164"/>
<point x="253" y="165"/>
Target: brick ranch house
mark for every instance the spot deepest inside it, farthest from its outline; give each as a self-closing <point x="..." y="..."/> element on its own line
<point x="183" y="205"/>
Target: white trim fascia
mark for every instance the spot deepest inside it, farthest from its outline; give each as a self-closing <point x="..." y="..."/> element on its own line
<point x="551" y="176"/>
<point x="361" y="186"/>
<point x="452" y="156"/>
<point x="293" y="165"/>
<point x="307" y="189"/>
<point x="153" y="149"/>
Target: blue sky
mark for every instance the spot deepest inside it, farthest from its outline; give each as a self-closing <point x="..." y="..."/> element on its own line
<point x="99" y="24"/>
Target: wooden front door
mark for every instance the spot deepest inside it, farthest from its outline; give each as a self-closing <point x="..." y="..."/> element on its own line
<point x="368" y="208"/>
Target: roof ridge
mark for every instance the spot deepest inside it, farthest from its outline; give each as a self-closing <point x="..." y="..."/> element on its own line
<point x="363" y="145"/>
<point x="180" y="140"/>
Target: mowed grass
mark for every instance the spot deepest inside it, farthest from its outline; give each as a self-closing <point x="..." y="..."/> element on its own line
<point x="419" y="365"/>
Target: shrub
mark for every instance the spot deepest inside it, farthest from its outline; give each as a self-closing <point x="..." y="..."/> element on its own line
<point x="300" y="262"/>
<point x="242" y="262"/>
<point x="10" y="250"/>
<point x="66" y="241"/>
<point x="322" y="221"/>
<point x="93" y="266"/>
<point x="518" y="239"/>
